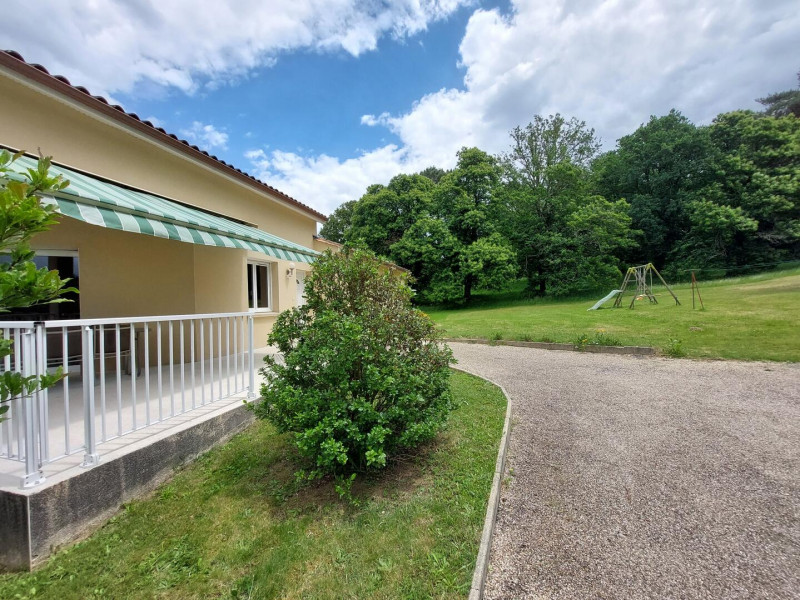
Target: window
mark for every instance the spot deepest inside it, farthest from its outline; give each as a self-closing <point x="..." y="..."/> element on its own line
<point x="259" y="286"/>
<point x="66" y="263"/>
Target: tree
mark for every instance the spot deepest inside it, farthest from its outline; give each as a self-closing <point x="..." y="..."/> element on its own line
<point x="489" y="263"/>
<point x="466" y="200"/>
<point x="384" y="213"/>
<point x="715" y="234"/>
<point x="599" y="231"/>
<point x="544" y="143"/>
<point x="546" y="178"/>
<point x="781" y="104"/>
<point x="759" y="173"/>
<point x="435" y="174"/>
<point x="23" y="215"/>
<point x="535" y="219"/>
<point x="336" y="227"/>
<point x="364" y="376"/>
<point x="658" y="169"/>
<point x="431" y="253"/>
<point x="570" y="239"/>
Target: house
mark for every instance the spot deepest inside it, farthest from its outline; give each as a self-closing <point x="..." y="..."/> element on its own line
<point x="239" y="244"/>
<point x="183" y="263"/>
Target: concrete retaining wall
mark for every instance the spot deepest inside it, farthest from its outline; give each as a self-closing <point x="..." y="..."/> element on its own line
<point x="35" y="522"/>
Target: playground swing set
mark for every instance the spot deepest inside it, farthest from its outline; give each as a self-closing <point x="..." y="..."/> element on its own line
<point x="643" y="276"/>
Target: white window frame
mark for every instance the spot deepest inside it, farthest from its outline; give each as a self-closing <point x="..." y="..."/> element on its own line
<point x="60" y="254"/>
<point x="252" y="294"/>
<point x="46" y="252"/>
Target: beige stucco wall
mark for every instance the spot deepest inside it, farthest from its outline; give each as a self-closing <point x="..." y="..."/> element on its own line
<point x="30" y="119"/>
<point x="220" y="282"/>
<point x="321" y="245"/>
<point x="132" y="275"/>
<point x="126" y="274"/>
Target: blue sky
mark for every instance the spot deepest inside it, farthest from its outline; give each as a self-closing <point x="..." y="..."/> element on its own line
<point x="321" y="98"/>
<point x="311" y="102"/>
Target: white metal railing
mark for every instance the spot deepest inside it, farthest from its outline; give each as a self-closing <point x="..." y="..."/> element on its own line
<point x="122" y="375"/>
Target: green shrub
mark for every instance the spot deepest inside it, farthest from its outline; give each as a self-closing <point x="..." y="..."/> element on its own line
<point x="600" y="338"/>
<point x="580" y="342"/>
<point x="364" y="378"/>
<point x="674" y="349"/>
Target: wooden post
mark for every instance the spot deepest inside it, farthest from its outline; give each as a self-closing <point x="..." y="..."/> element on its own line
<point x="669" y="289"/>
<point x="622" y="288"/>
<point x="694" y="285"/>
<point x="637" y="271"/>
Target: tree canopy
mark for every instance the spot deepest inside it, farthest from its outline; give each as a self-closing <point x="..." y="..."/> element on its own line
<point x="781" y="104"/>
<point x="569" y="219"/>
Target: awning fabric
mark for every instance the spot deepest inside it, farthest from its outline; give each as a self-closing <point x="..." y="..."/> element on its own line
<point x="105" y="204"/>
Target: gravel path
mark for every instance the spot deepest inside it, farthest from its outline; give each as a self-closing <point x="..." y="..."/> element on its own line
<point x="645" y="477"/>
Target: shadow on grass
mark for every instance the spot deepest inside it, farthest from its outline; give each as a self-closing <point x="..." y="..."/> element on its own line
<point x="251" y="470"/>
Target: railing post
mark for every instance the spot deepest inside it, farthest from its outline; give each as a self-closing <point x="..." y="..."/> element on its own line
<point x="251" y="390"/>
<point x="90" y="458"/>
<point x="33" y="466"/>
<point x="40" y="346"/>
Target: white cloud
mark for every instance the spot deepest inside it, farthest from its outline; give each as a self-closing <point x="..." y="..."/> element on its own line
<point x="207" y="137"/>
<point x="372" y="120"/>
<point x="325" y="181"/>
<point x="612" y="64"/>
<point x="112" y="46"/>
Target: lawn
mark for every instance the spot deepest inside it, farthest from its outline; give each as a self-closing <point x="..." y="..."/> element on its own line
<point x="234" y="524"/>
<point x="750" y="318"/>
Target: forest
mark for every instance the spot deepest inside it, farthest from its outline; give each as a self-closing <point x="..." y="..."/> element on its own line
<point x="569" y="218"/>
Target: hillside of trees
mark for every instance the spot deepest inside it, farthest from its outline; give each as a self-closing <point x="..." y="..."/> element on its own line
<point x="555" y="210"/>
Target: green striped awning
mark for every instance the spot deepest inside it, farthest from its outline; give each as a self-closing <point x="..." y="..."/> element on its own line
<point x="106" y="204"/>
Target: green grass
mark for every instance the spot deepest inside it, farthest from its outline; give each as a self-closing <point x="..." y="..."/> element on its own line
<point x="750" y="318"/>
<point x="235" y="525"/>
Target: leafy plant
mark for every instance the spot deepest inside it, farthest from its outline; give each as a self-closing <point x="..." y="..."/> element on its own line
<point x="674" y="349"/>
<point x="364" y="376"/>
<point x="600" y="338"/>
<point x="581" y="342"/>
<point x="23" y="215"/>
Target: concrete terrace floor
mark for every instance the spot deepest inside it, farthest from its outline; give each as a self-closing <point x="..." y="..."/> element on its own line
<point x="633" y="477"/>
<point x="172" y="413"/>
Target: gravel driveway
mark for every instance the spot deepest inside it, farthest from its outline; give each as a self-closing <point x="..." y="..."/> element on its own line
<point x="645" y="477"/>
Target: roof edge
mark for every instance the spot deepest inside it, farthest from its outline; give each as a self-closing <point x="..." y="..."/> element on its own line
<point x="61" y="85"/>
<point x="387" y="263"/>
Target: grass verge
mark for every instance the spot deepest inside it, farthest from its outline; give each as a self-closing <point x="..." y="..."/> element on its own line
<point x="749" y="318"/>
<point x="234" y="524"/>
